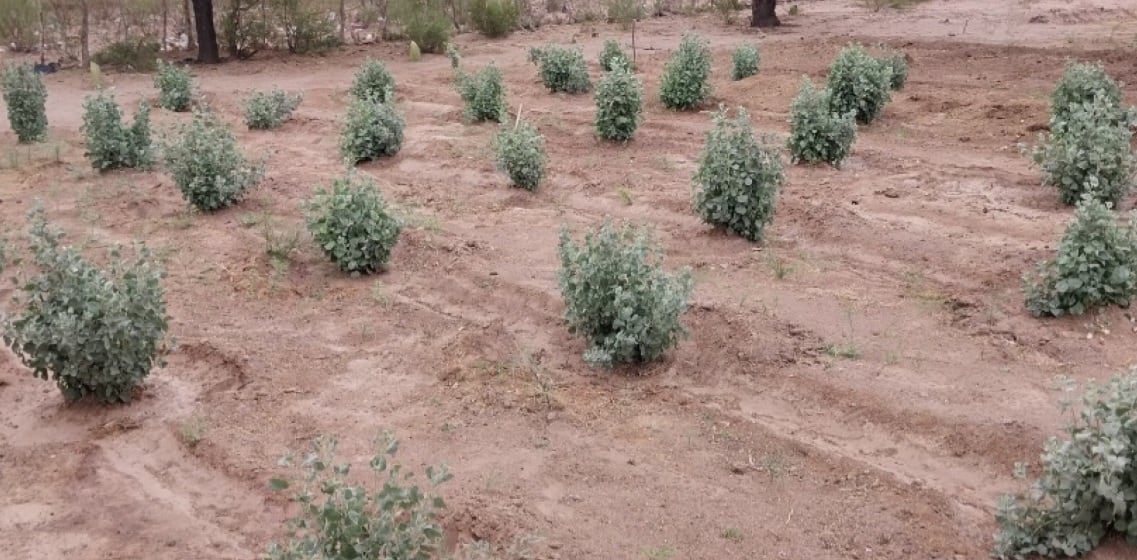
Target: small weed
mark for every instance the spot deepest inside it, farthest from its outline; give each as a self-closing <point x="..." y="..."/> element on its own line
<point x="664" y="164"/>
<point x="249" y="219"/>
<point x="774" y="464"/>
<point x="917" y="287"/>
<point x="849" y="351"/>
<point x="279" y="243"/>
<point x="659" y="552"/>
<point x="625" y="196"/>
<point x="414" y="220"/>
<point x="732" y="534"/>
<point x="379" y="294"/>
<point x="779" y="266"/>
<point x="794" y="10"/>
<point x="193" y="431"/>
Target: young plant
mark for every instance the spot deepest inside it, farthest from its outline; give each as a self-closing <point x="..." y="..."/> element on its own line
<point x="26" y="98"/>
<point x="373" y="81"/>
<point x="561" y="69"/>
<point x="816" y="133"/>
<point x="373" y="130"/>
<point x="619" y="104"/>
<point x="390" y="518"/>
<point x="95" y="332"/>
<point x="264" y="111"/>
<point x="454" y="55"/>
<point x="685" y="84"/>
<point x="618" y="296"/>
<point x="1087" y="153"/>
<point x="745" y="60"/>
<point x="483" y="94"/>
<point x="739" y="177"/>
<point x="1096" y="265"/>
<point x="520" y="154"/>
<point x="1084" y="83"/>
<point x="175" y="87"/>
<point x="612" y="54"/>
<point x="1086" y="490"/>
<point x="858" y="82"/>
<point x="207" y="165"/>
<point x="897" y="64"/>
<point x="494" y="18"/>
<point x="352" y="224"/>
<point x="111" y="144"/>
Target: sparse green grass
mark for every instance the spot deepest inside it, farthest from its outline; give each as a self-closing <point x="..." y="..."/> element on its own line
<point x="732" y="534"/>
<point x="878" y="5"/>
<point x="663" y="552"/>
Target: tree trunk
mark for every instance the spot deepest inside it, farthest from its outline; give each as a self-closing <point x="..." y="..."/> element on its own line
<point x="191" y="44"/>
<point x="85" y="35"/>
<point x="762" y="14"/>
<point x="343" y="22"/>
<point x="206" y="33"/>
<point x="165" y="25"/>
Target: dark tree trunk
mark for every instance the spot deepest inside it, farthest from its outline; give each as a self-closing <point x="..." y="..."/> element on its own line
<point x="206" y="33"/>
<point x="762" y="14"/>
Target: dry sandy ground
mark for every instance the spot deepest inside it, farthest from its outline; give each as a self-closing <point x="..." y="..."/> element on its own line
<point x="859" y="386"/>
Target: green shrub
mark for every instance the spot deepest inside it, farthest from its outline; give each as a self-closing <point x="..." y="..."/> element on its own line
<point x="739" y="177"/>
<point x="352" y="225"/>
<point x="494" y="18"/>
<point x="110" y="144"/>
<point x="1083" y="83"/>
<point x="562" y="69"/>
<point x="26" y="98"/>
<point x="423" y="21"/>
<point x="858" y="82"/>
<point x="265" y="111"/>
<point x="1087" y="153"/>
<point x="623" y="12"/>
<point x="745" y="60"/>
<point x="619" y="298"/>
<point x="129" y="56"/>
<point x="373" y="130"/>
<point x="94" y="332"/>
<point x="391" y="519"/>
<point x="1086" y="489"/>
<point x="373" y="81"/>
<point x="243" y="35"/>
<point x="1096" y="265"/>
<point x="520" y="152"/>
<point x="897" y="64"/>
<point x="306" y="30"/>
<point x="816" y="133"/>
<point x="611" y="54"/>
<point x="619" y="104"/>
<point x="206" y="164"/>
<point x="175" y="87"/>
<point x="685" y="83"/>
<point x="483" y="94"/>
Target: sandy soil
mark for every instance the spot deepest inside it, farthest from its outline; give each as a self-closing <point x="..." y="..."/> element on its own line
<point x="859" y="386"/>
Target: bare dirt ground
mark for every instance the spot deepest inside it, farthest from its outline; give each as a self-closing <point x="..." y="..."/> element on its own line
<point x="859" y="386"/>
